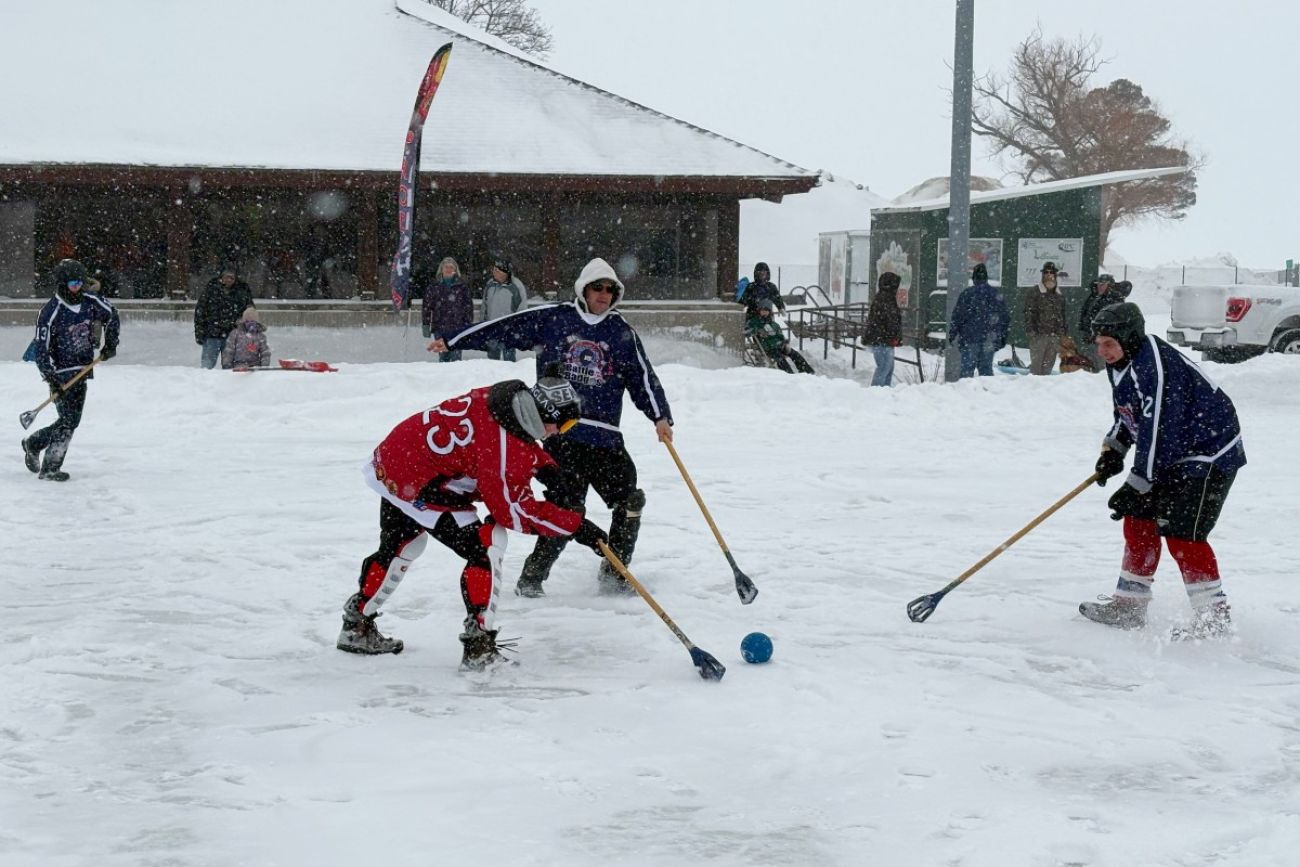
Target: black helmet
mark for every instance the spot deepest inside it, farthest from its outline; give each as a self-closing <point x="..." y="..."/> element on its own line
<point x="1123" y="322"/>
<point x="68" y="270"/>
<point x="557" y="401"/>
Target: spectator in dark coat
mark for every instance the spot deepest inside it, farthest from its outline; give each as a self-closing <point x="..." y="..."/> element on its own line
<point x="979" y="324"/>
<point x="884" y="328"/>
<point x="223" y="301"/>
<point x="761" y="289"/>
<point x="448" y="307"/>
<point x="1105" y="292"/>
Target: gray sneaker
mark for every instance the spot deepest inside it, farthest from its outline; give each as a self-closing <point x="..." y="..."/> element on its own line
<point x="1119" y="612"/>
<point x="359" y="633"/>
<point x="1214" y="621"/>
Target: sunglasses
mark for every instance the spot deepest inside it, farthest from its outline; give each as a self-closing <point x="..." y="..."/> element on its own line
<point x="75" y="284"/>
<point x="609" y="288"/>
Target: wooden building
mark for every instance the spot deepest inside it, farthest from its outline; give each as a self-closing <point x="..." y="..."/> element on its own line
<point x="270" y="135"/>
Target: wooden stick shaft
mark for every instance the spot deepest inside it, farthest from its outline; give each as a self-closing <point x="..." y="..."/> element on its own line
<point x="71" y="382"/>
<point x="1047" y="513"/>
<point x="644" y="594"/>
<point x="696" y="494"/>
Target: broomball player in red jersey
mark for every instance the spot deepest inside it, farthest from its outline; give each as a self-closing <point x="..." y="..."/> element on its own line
<point x="432" y="469"/>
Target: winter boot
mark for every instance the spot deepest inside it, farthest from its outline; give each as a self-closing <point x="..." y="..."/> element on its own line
<point x="54" y="476"/>
<point x="52" y="463"/>
<point x="481" y="649"/>
<point x="1121" y="612"/>
<point x="1213" y="621"/>
<point x="31" y="457"/>
<point x="359" y="633"/>
<point x="610" y="583"/>
<point x="530" y="583"/>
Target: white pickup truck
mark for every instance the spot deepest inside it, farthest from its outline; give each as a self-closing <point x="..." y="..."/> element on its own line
<point x="1233" y="323"/>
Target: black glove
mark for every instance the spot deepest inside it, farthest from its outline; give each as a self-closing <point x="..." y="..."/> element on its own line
<point x="198" y="341"/>
<point x="590" y="535"/>
<point x="107" y="352"/>
<point x="1109" y="465"/>
<point x="553" y="478"/>
<point x="1128" y="500"/>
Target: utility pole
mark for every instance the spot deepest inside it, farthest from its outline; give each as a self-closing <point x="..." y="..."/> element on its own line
<point x="959" y="174"/>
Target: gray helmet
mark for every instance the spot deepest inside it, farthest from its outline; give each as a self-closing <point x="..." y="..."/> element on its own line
<point x="1123" y="322"/>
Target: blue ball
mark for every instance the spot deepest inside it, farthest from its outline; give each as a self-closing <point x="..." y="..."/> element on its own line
<point x="756" y="647"/>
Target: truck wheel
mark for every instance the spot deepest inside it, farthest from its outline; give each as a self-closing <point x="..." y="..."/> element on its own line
<point x="1288" y="342"/>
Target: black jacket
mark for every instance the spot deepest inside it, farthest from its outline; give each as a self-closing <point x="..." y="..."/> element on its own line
<point x="884" y="325"/>
<point x="219" y="309"/>
<point x="765" y="291"/>
<point x="1094" y="304"/>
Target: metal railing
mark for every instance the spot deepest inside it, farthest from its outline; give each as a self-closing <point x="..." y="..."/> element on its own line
<point x="840" y="326"/>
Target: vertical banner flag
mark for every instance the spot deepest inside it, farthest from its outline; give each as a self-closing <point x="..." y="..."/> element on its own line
<point x="399" y="279"/>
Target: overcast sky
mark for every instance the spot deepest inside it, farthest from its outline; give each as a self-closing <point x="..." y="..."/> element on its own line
<point x="859" y="88"/>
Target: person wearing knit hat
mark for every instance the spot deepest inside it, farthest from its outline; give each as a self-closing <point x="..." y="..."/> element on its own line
<point x="979" y="325"/>
<point x="600" y="353"/>
<point x="503" y="294"/>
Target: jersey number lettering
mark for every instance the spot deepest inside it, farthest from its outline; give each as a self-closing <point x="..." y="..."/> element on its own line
<point x="443" y="441"/>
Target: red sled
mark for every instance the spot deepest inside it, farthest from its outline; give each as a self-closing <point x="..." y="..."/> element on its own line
<point x="314" y="366"/>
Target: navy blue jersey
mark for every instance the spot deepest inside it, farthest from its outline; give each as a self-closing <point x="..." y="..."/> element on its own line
<point x="65" y="338"/>
<point x="1179" y="422"/>
<point x="601" y="355"/>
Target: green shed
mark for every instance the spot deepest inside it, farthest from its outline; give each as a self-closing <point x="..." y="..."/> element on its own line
<point x="1013" y="231"/>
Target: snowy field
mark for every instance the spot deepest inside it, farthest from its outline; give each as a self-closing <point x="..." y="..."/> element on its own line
<point x="172" y="696"/>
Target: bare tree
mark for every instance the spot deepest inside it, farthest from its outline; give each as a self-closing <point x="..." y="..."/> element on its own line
<point x="513" y="21"/>
<point x="1047" y="122"/>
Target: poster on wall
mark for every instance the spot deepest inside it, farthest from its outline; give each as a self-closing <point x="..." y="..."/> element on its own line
<point x="839" y="268"/>
<point x="898" y="252"/>
<point x="985" y="250"/>
<point x="1065" y="253"/>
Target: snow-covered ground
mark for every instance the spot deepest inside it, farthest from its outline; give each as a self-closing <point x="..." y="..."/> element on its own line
<point x="171" y="694"/>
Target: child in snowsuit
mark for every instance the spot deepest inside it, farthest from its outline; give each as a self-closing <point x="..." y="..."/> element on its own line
<point x="246" y="345"/>
<point x="762" y="327"/>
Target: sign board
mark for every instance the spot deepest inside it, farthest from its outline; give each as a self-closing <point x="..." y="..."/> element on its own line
<point x="981" y="250"/>
<point x="1065" y="253"/>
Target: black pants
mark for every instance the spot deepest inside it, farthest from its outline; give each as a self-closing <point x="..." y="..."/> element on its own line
<point x="1187" y="508"/>
<point x="611" y="472"/>
<point x="53" y="440"/>
<point x="397" y="530"/>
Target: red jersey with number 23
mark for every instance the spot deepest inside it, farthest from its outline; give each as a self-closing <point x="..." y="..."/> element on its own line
<point x="455" y="454"/>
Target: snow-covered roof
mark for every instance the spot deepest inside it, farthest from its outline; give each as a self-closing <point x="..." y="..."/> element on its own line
<point x="933" y="188"/>
<point x="788" y="232"/>
<point x="1100" y="180"/>
<point x="319" y="84"/>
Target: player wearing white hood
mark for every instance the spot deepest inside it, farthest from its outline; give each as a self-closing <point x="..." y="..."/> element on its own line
<point x="597" y="351"/>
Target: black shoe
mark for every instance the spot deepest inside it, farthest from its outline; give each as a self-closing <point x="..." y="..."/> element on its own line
<point x="54" y="476"/>
<point x="610" y="583"/>
<point x="31" y="457"/>
<point x="359" y="633"/>
<point x="530" y="588"/>
<point x="1119" y="612"/>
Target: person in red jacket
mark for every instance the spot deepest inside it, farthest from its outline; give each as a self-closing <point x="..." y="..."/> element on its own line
<point x="431" y="471"/>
